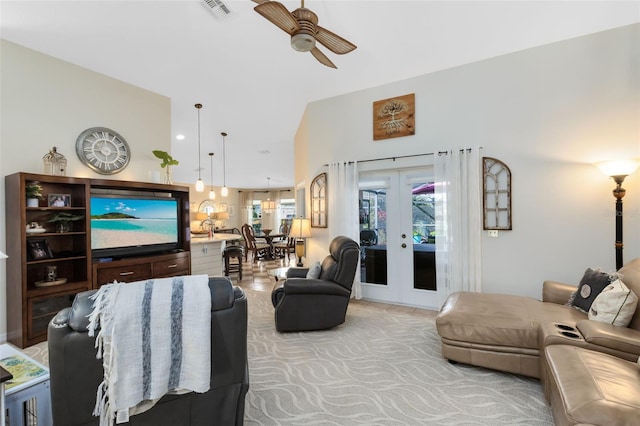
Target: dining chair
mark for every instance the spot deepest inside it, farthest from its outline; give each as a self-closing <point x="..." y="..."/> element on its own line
<point x="285" y="247"/>
<point x="258" y="249"/>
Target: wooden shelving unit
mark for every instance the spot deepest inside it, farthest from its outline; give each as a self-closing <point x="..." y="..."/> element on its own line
<point x="29" y="306"/>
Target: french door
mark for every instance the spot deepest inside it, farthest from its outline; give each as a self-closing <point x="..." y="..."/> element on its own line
<point x="397" y="237"/>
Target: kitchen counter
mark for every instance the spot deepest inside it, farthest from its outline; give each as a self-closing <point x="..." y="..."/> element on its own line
<point x="206" y="253"/>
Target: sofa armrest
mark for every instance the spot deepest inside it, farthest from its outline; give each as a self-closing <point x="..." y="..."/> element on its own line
<point x="610" y="336"/>
<point x="297" y="272"/>
<point x="555" y="292"/>
<point x="314" y="286"/>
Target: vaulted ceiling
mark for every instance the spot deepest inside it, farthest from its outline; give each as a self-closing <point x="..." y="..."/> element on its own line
<point x="254" y="86"/>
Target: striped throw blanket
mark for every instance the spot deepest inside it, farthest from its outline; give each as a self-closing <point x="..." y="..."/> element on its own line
<point x="154" y="337"/>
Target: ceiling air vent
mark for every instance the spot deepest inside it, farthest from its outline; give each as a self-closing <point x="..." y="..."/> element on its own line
<point x="216" y="7"/>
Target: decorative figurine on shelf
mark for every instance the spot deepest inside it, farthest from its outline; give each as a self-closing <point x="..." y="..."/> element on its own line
<point x="52" y="272"/>
<point x="35" y="228"/>
<point x="55" y="164"/>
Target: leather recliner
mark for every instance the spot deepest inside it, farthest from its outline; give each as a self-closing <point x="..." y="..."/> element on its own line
<point x="305" y="304"/>
<point x="75" y="373"/>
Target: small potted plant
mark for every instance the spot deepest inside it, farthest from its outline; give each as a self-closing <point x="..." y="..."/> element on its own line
<point x="63" y="220"/>
<point x="33" y="192"/>
<point x="167" y="161"/>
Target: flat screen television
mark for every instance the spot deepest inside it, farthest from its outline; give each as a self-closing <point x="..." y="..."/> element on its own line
<point x="130" y="225"/>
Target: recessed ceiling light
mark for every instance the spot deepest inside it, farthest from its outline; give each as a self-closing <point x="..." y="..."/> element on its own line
<point x="180" y="137"/>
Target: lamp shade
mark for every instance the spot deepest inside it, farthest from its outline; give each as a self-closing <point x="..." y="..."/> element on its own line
<point x="618" y="167"/>
<point x="300" y="228"/>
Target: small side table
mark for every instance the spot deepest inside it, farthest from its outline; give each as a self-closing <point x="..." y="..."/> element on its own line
<point x="27" y="394"/>
<point x="278" y="273"/>
<point x="4" y="376"/>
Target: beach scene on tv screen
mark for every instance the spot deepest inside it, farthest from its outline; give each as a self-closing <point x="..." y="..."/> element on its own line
<point x="123" y="222"/>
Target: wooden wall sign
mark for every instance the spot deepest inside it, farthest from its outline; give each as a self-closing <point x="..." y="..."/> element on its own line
<point x="394" y="117"/>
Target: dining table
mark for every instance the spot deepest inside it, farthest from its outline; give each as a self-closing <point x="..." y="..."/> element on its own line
<point x="269" y="238"/>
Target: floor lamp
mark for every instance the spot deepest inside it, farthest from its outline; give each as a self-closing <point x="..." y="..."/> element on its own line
<point x="618" y="170"/>
<point x="300" y="229"/>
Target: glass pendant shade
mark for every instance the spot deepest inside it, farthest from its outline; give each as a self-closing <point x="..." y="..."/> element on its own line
<point x="212" y="193"/>
<point x="199" y="183"/>
<point x="224" y="191"/>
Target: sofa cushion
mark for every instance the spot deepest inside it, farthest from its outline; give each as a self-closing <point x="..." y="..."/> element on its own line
<point x="589" y="387"/>
<point x="615" y="305"/>
<point x="630" y="275"/>
<point x="591" y="285"/>
<point x="314" y="271"/>
<point x="499" y="319"/>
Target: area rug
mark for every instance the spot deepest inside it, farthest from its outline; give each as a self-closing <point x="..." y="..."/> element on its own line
<point x="381" y="367"/>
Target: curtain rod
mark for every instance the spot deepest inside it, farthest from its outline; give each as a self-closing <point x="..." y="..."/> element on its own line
<point x="265" y="191"/>
<point x="402" y="156"/>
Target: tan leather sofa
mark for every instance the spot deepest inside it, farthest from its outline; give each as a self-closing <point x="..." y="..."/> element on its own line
<point x="515" y="334"/>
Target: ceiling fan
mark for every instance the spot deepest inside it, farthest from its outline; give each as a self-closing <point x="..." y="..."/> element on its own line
<point x="302" y="26"/>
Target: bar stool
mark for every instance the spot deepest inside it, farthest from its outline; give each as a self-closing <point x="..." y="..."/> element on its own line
<point x="229" y="253"/>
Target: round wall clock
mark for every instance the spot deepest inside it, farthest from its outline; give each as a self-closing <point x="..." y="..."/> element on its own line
<point x="103" y="150"/>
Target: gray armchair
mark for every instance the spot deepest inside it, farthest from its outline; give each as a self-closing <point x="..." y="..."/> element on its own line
<point x="305" y="304"/>
<point x="75" y="372"/>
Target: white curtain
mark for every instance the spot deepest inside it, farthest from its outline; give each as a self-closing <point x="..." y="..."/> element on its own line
<point x="342" y="182"/>
<point x="458" y="221"/>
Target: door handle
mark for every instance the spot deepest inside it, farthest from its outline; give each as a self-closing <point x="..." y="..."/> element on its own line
<point x="404" y="245"/>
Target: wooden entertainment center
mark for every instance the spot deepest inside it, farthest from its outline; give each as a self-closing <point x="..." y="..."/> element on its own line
<point x="32" y="300"/>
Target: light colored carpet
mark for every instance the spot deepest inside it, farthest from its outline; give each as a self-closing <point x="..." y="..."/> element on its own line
<point x="381" y="367"/>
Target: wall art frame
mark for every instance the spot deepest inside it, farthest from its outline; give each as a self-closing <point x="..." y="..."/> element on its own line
<point x="394" y="117"/>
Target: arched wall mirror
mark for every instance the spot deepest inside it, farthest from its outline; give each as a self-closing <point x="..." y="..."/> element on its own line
<point x="208" y="207"/>
<point x="496" y="189"/>
<point x="319" y="201"/>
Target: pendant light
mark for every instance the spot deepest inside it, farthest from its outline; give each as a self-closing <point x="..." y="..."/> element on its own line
<point x="199" y="183"/>
<point x="212" y="193"/>
<point x="224" y="191"/>
<point x="267" y="205"/>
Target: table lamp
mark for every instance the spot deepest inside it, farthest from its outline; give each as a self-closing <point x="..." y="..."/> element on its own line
<point x="618" y="170"/>
<point x="300" y="229"/>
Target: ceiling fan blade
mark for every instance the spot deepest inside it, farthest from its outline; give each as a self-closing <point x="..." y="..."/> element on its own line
<point x="278" y="15"/>
<point x="259" y="1"/>
<point x="322" y="58"/>
<point x="333" y="42"/>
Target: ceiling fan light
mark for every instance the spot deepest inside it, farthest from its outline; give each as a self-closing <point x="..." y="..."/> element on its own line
<point x="303" y="42"/>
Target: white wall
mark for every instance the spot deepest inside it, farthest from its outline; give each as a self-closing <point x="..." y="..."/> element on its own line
<point x="548" y="112"/>
<point x="47" y="102"/>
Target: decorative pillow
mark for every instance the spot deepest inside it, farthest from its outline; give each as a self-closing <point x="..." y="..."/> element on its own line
<point x="314" y="271"/>
<point x="591" y="285"/>
<point x="615" y="305"/>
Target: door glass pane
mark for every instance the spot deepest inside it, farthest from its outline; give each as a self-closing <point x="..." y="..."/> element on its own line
<point x="424" y="238"/>
<point x="373" y="236"/>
